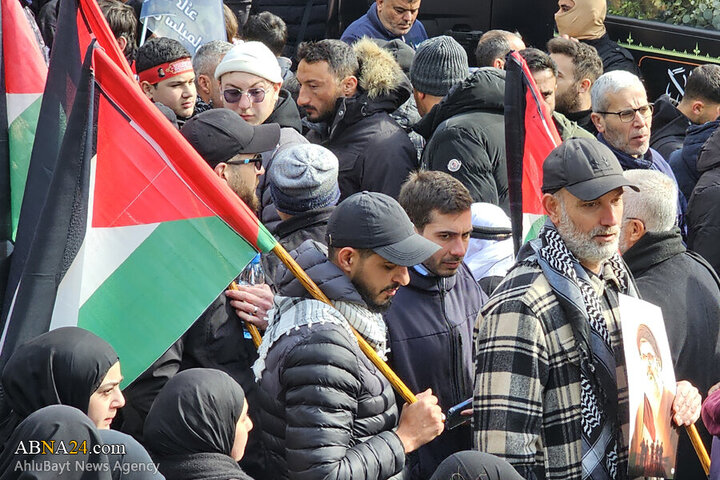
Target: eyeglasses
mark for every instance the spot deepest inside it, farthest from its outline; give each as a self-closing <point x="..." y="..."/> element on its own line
<point x="257" y="160"/>
<point x="234" y="95"/>
<point x="627" y="116"/>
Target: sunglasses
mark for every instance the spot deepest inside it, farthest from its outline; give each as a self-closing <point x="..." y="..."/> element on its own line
<point x="627" y="116"/>
<point x="254" y="95"/>
<point x="257" y="160"/>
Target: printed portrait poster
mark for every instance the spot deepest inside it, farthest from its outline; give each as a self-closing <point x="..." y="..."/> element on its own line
<point x="651" y="384"/>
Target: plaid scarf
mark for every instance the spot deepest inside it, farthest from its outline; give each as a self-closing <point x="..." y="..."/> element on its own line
<point x="583" y="309"/>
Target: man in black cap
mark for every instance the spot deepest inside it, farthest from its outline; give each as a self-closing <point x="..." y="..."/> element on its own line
<point x="232" y="147"/>
<point x="551" y="385"/>
<point x="328" y="412"/>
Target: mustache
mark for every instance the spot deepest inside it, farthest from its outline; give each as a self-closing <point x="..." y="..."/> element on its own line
<point x="605" y="231"/>
<point x="390" y="287"/>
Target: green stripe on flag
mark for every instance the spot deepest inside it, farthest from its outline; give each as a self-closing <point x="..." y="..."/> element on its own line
<point x="266" y="241"/>
<point x="162" y="287"/>
<point x="21" y="134"/>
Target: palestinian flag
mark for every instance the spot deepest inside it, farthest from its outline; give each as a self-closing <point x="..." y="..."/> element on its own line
<point x="138" y="234"/>
<point x="24" y="75"/>
<point x="530" y="135"/>
<point x="80" y="22"/>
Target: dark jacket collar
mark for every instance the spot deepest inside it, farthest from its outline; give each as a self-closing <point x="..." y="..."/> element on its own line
<point x="286" y="113"/>
<point x="653" y="248"/>
<point x="483" y="90"/>
<point x="303" y="221"/>
<point x="312" y="257"/>
<point x="423" y="279"/>
<point x="628" y="162"/>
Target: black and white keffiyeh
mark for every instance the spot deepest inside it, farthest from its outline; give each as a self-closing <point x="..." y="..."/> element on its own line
<point x="583" y="309"/>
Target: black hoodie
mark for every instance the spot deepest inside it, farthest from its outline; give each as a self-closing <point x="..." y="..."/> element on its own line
<point x="466" y="136"/>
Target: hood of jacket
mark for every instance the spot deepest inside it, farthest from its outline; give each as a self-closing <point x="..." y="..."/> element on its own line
<point x="696" y="137"/>
<point x="312" y="257"/>
<point x="653" y="248"/>
<point x="483" y="90"/>
<point x="286" y="113"/>
<point x="709" y="158"/>
<point x="667" y="119"/>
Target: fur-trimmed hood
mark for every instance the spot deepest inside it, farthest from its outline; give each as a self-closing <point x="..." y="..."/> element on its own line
<point x="379" y="73"/>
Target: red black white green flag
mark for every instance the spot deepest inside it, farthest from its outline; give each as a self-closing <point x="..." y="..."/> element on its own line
<point x="22" y="78"/>
<point x="530" y="135"/>
<point x="138" y="236"/>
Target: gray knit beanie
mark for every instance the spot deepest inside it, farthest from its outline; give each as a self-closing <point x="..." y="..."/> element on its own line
<point x="303" y="177"/>
<point x="439" y="63"/>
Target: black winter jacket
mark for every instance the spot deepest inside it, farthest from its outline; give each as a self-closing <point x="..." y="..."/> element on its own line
<point x="374" y="152"/>
<point x="293" y="232"/>
<point x="430" y="327"/>
<point x="328" y="413"/>
<point x="684" y="161"/>
<point x="614" y="57"/>
<point x="703" y="216"/>
<point x="690" y="311"/>
<point x="466" y="136"/>
<point x="287" y="116"/>
<point x="668" y="127"/>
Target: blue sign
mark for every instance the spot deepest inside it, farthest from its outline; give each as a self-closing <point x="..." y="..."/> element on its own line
<point x="191" y="22"/>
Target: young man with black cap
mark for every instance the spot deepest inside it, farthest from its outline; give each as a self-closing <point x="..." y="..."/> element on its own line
<point x="551" y="390"/>
<point x="328" y="412"/>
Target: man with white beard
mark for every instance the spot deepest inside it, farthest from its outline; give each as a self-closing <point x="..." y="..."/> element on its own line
<point x="551" y="391"/>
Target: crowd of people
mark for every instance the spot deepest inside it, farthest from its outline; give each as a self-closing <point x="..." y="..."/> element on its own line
<point x="379" y="161"/>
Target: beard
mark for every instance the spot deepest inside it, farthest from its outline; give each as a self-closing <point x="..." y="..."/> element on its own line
<point x="567" y="102"/>
<point x="369" y="296"/>
<point x="581" y="244"/>
<point x="246" y="193"/>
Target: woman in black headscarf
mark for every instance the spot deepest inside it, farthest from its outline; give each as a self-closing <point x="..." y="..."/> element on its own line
<point x="474" y="465"/>
<point x="67" y="366"/>
<point x="70" y="429"/>
<point x="197" y="427"/>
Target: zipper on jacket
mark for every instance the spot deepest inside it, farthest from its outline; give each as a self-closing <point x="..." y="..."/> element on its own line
<point x="455" y="364"/>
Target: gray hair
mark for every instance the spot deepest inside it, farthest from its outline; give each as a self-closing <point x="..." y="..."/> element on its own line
<point x="656" y="202"/>
<point x="608" y="83"/>
<point x="208" y="56"/>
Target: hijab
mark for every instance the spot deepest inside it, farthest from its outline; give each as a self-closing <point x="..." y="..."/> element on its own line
<point x="135" y="463"/>
<point x="61" y="424"/>
<point x="585" y="21"/>
<point x="195" y="412"/>
<point x="474" y="465"/>
<point x="63" y="366"/>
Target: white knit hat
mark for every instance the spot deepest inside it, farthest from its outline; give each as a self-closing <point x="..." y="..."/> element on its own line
<point x="251" y="57"/>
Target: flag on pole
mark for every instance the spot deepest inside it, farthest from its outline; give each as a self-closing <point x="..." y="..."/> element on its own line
<point x="24" y="75"/>
<point x="138" y="234"/>
<point x="191" y="22"/>
<point x="530" y="135"/>
<point x="80" y="22"/>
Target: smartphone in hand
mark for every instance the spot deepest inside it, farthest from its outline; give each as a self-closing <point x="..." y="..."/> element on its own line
<point x="454" y="419"/>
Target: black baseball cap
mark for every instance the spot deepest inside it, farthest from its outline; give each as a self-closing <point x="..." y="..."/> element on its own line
<point x="219" y="134"/>
<point x="377" y="221"/>
<point x="585" y="167"/>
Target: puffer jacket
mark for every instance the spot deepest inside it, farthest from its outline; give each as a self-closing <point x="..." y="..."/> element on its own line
<point x="328" y="413"/>
<point x="703" y="215"/>
<point x="668" y="127"/>
<point x="374" y="152"/>
<point x="466" y="136"/>
<point x="684" y="161"/>
<point x="430" y="327"/>
<point x="287" y="116"/>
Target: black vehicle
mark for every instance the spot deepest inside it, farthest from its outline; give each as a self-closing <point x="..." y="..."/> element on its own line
<point x="665" y="51"/>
